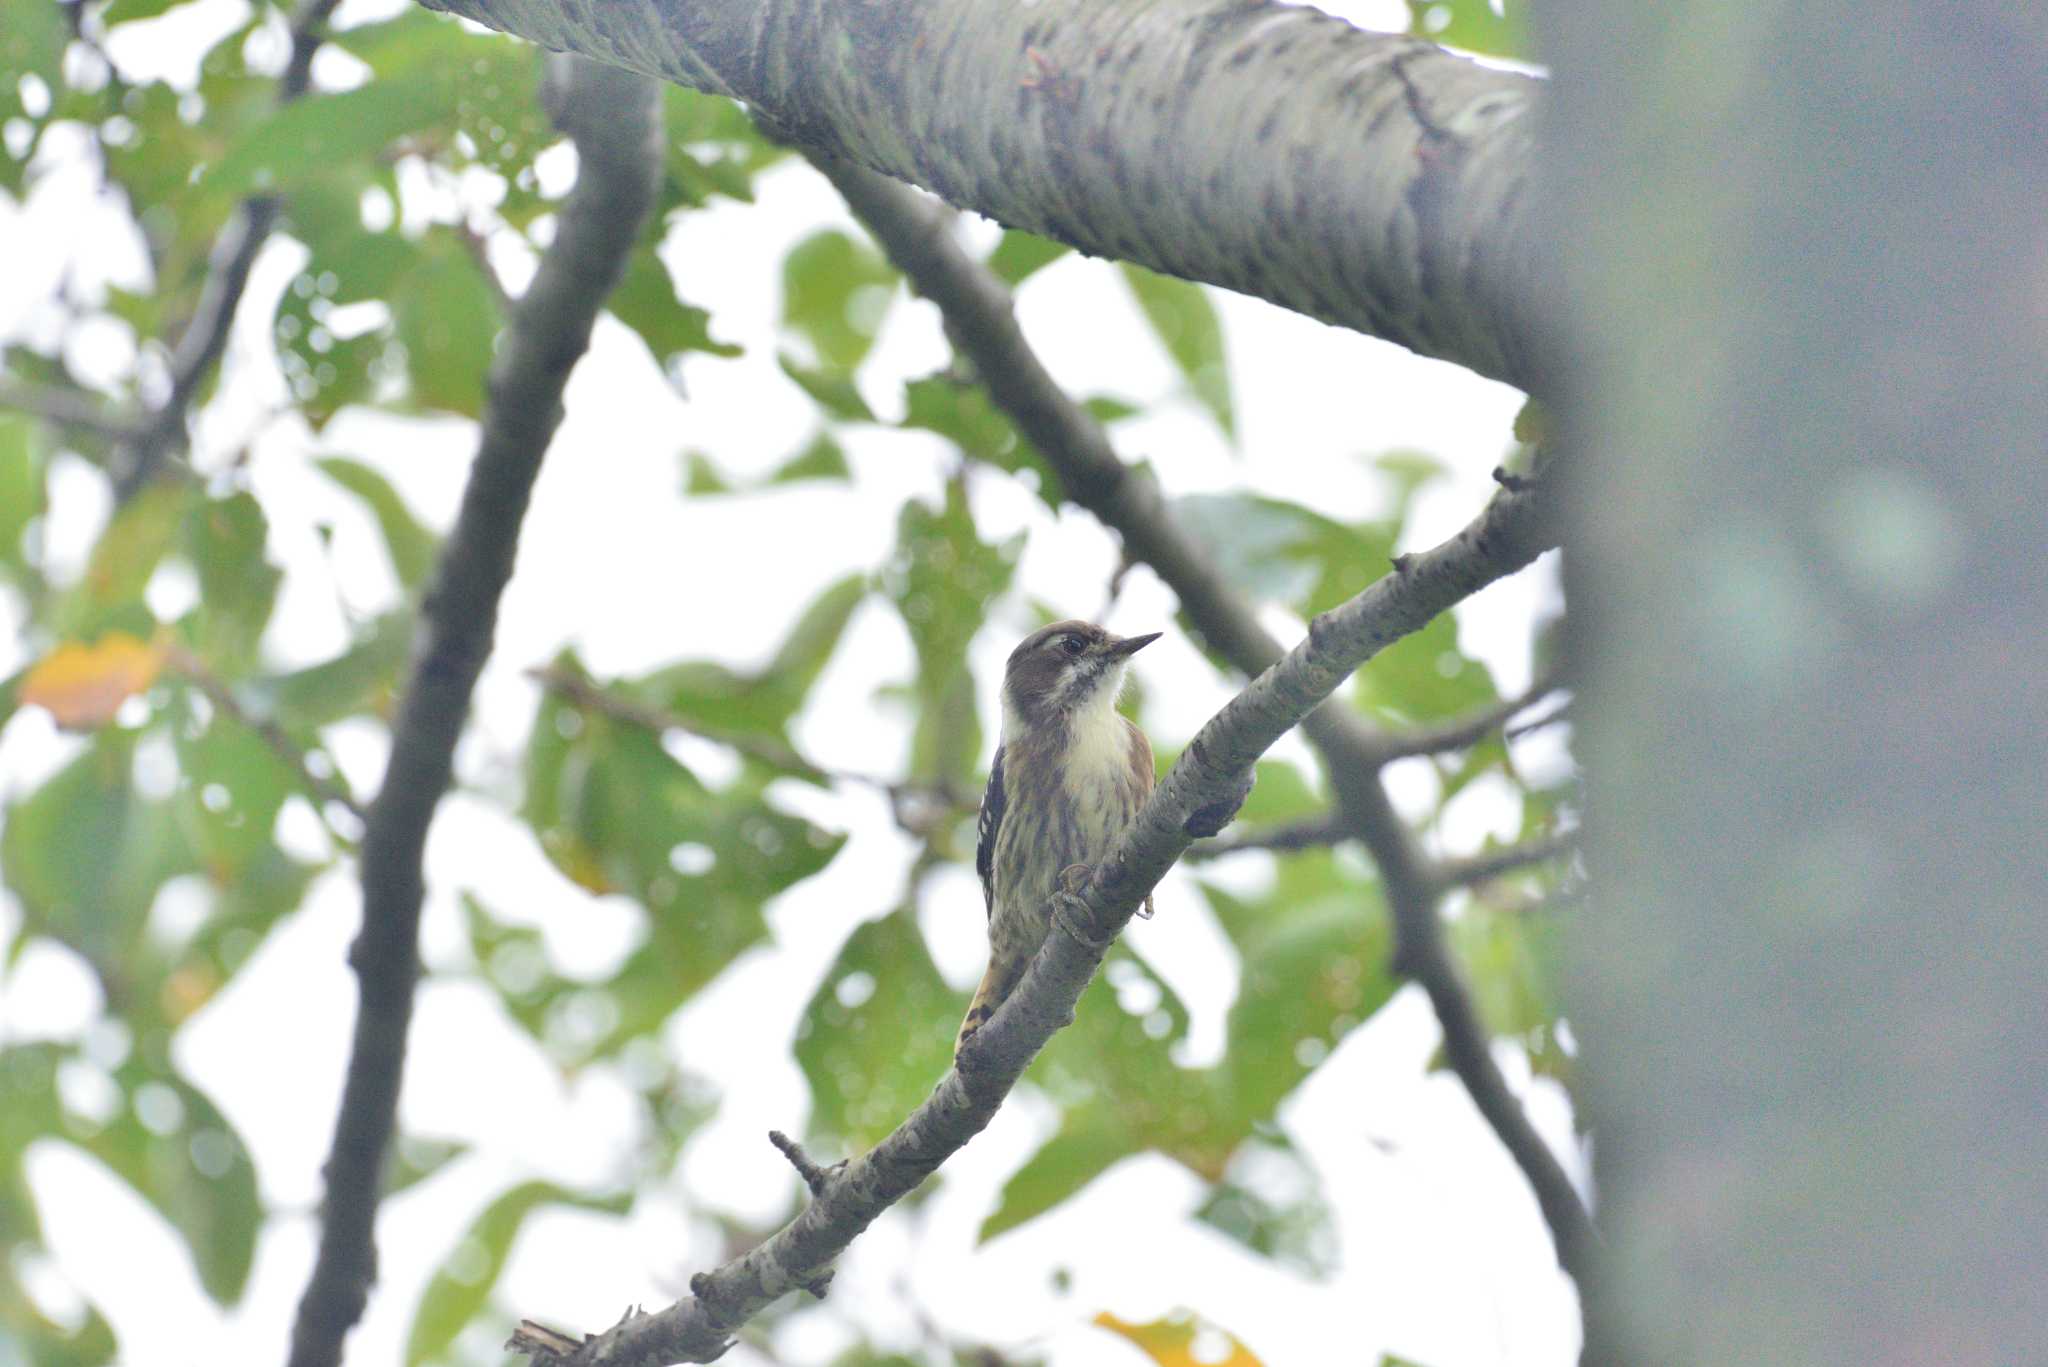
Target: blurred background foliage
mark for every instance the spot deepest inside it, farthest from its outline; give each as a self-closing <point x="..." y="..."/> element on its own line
<point x="152" y="855"/>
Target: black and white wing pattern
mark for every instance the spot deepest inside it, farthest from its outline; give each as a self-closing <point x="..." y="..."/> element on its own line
<point x="985" y="832"/>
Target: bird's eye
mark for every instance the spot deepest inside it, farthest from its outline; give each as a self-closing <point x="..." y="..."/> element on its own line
<point x="1073" y="645"/>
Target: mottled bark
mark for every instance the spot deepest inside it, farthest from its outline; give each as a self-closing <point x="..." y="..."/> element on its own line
<point x="1369" y="180"/>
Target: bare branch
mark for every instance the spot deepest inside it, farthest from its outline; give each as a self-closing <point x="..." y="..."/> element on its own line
<point x="814" y="1176"/>
<point x="227" y="276"/>
<point x="1480" y="868"/>
<point x="978" y="315"/>
<point x="73" y="408"/>
<point x="1305" y="834"/>
<point x="614" y="120"/>
<point x="1461" y="733"/>
<point x="325" y="787"/>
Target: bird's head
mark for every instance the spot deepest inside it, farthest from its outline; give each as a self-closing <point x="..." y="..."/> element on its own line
<point x="1064" y="669"/>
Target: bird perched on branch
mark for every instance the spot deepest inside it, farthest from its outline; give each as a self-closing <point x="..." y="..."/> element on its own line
<point x="1069" y="775"/>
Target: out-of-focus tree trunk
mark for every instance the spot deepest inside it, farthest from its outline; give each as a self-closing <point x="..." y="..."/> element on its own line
<point x="1809" y="392"/>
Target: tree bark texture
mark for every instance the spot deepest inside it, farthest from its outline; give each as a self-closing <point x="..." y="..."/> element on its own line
<point x="1369" y="180"/>
<point x="1810" y="609"/>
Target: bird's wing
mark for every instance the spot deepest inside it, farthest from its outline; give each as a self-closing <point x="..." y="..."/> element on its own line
<point x="985" y="832"/>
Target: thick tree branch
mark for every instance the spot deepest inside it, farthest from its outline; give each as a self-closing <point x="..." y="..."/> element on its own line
<point x="1369" y="180"/>
<point x="978" y="315"/>
<point x="613" y="117"/>
<point x="227" y="276"/>
<point x="1507" y="536"/>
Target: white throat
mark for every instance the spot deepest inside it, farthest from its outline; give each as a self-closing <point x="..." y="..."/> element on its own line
<point x="1095" y="717"/>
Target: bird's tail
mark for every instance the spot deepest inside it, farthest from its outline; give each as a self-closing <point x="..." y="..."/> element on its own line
<point x="996" y="986"/>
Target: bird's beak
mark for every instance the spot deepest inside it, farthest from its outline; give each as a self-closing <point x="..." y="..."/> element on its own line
<point x="1130" y="645"/>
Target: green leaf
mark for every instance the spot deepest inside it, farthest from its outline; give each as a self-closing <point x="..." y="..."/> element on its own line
<point x="235" y="785"/>
<point x="646" y="302"/>
<point x="126" y="555"/>
<point x="1314" y="965"/>
<point x="175" y="1148"/>
<point x="1186" y="323"/>
<point x="1272" y="1202"/>
<point x="1090" y="1140"/>
<point x="962" y="414"/>
<point x="764" y="700"/>
<point x="33" y="36"/>
<point x="822" y="459"/>
<point x="360" y="679"/>
<point x="463" y="1284"/>
<point x="447" y="317"/>
<point x="1283" y="552"/>
<point x="224" y="539"/>
<point x="307" y="138"/>
<point x="411" y="546"/>
<point x="1121" y="1093"/>
<point x="1423" y="676"/>
<point x="831" y="391"/>
<point x="713" y="149"/>
<point x="942" y="578"/>
<point x="1020" y="255"/>
<point x="702" y="478"/>
<point x="1473" y="26"/>
<point x="21" y="491"/>
<point x="415" y="1160"/>
<point x="835" y="293"/>
<point x="86" y="854"/>
<point x="617" y="813"/>
<point x="126" y="11"/>
<point x="1513" y="961"/>
<point x="877" y="1033"/>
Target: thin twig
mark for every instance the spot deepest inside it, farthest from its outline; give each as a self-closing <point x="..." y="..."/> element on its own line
<point x="614" y="118"/>
<point x="1479" y="868"/>
<point x="296" y="757"/>
<point x="234" y="253"/>
<point x="814" y="1176"/>
<point x="75" y="408"/>
<point x="1325" y="828"/>
<point x="1461" y="733"/>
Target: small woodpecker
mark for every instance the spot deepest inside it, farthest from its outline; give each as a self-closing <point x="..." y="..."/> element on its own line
<point x="1070" y="773"/>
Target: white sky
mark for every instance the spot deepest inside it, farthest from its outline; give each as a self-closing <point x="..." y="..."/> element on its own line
<point x="1444" y="1258"/>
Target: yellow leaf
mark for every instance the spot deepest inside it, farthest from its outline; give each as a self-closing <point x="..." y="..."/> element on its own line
<point x="1177" y="1340"/>
<point x="575" y="857"/>
<point x="83" y="686"/>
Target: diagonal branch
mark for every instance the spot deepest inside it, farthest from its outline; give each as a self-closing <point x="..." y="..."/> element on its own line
<point x="234" y="254"/>
<point x="1367" y="179"/>
<point x="1508" y="535"/>
<point x="977" y="310"/>
<point x="614" y="121"/>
